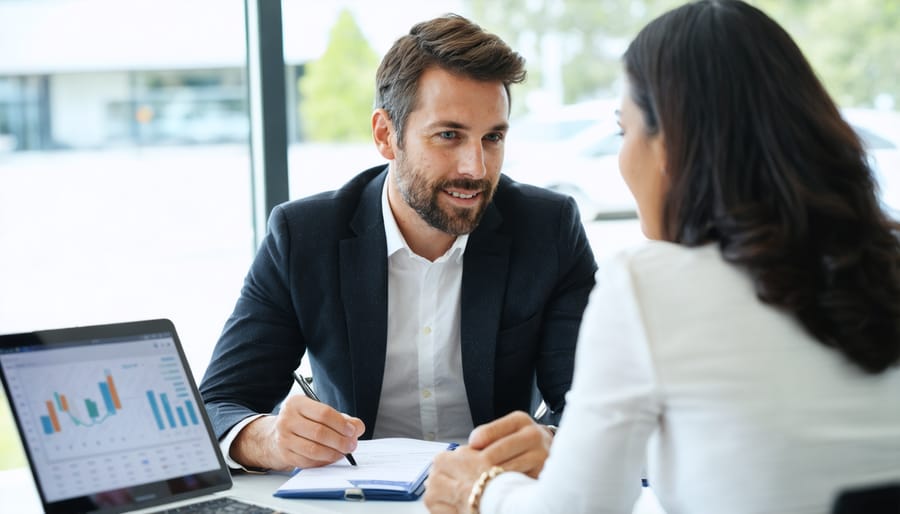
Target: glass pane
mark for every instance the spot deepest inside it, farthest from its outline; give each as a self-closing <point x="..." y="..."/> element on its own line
<point x="332" y="50"/>
<point x="124" y="165"/>
<point x="562" y="129"/>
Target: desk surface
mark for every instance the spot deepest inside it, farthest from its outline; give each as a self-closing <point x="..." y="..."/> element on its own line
<point x="19" y="495"/>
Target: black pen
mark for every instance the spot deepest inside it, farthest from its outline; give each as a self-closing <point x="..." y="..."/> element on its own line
<point x="308" y="391"/>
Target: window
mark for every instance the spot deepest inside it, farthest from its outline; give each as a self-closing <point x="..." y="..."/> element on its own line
<point x="124" y="162"/>
<point x="124" y="166"/>
<point x="562" y="130"/>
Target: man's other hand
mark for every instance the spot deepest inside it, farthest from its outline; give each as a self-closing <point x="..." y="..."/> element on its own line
<point x="304" y="434"/>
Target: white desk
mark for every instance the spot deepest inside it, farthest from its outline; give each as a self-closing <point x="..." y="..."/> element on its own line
<point x="19" y="495"/>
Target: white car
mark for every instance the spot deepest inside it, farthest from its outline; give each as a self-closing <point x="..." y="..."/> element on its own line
<point x="573" y="150"/>
<point x="880" y="133"/>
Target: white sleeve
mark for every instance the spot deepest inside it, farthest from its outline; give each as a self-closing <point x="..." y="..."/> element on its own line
<point x="230" y="436"/>
<point x="599" y="452"/>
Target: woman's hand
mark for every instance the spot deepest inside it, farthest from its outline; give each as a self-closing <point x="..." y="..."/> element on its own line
<point x="451" y="479"/>
<point x="516" y="442"/>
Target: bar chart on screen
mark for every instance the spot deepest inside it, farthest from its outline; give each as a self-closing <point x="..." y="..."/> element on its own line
<point x="167" y="413"/>
<point x="106" y="421"/>
<point x="59" y="406"/>
<point x="119" y="407"/>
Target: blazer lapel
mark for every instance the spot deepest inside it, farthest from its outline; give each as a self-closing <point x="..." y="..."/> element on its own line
<point x="485" y="266"/>
<point x="364" y="293"/>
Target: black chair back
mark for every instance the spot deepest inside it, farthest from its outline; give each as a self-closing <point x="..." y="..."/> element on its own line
<point x="880" y="499"/>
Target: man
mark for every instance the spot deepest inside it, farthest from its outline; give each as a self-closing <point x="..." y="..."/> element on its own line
<point x="429" y="293"/>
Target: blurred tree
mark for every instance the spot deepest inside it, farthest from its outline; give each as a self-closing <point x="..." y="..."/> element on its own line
<point x="582" y="39"/>
<point x="338" y="89"/>
<point x="852" y="45"/>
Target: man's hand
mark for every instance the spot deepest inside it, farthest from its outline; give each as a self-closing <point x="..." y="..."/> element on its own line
<point x="516" y="442"/>
<point x="304" y="434"/>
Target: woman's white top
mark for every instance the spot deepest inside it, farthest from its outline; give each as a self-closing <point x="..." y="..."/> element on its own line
<point x="729" y="403"/>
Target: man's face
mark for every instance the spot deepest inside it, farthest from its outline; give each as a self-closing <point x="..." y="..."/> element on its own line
<point x="449" y="166"/>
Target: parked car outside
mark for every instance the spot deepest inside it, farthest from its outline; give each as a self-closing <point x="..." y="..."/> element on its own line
<point x="880" y="133"/>
<point x="573" y="150"/>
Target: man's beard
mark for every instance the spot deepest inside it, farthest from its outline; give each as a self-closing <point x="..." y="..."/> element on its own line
<point x="424" y="198"/>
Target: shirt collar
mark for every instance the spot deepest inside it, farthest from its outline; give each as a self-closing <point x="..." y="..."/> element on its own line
<point x="395" y="240"/>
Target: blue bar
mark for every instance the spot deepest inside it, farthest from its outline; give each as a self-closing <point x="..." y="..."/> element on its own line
<point x="91" y="407"/>
<point x="48" y="426"/>
<point x="152" y="399"/>
<point x="107" y="397"/>
<point x="191" y="412"/>
<point x="181" y="417"/>
<point x="168" y="409"/>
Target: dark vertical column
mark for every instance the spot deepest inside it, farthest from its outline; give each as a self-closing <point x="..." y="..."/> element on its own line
<point x="268" y="112"/>
<point x="44" y="121"/>
<point x="20" y="116"/>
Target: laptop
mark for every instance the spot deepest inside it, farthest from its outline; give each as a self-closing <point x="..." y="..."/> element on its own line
<point x="111" y="420"/>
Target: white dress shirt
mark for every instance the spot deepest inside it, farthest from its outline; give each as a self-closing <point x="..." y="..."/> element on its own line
<point x="422" y="393"/>
<point x="730" y="402"/>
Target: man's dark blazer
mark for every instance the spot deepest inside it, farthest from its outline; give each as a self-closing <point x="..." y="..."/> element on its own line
<point x="319" y="285"/>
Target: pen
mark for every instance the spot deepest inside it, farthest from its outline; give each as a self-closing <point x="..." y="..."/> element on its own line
<point x="308" y="391"/>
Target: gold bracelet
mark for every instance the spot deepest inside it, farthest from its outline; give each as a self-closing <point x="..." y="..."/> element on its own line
<point x="478" y="488"/>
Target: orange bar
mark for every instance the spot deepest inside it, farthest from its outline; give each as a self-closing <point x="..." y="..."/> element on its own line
<point x="113" y="392"/>
<point x="53" y="419"/>
<point x="64" y="402"/>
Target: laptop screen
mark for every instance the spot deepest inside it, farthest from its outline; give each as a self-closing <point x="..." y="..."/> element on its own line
<point x="110" y="417"/>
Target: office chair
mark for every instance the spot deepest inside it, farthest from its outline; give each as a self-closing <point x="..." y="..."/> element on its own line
<point x="879" y="499"/>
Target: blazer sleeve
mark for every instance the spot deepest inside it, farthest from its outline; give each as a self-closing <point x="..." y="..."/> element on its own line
<point x="261" y="344"/>
<point x="562" y="315"/>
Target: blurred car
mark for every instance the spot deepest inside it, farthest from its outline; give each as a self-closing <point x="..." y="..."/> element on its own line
<point x="880" y="133"/>
<point x="573" y="150"/>
<point x="204" y="125"/>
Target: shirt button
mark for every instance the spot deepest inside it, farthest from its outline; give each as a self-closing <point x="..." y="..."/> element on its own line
<point x="429" y="436"/>
<point x="426" y="330"/>
<point x="426" y="393"/>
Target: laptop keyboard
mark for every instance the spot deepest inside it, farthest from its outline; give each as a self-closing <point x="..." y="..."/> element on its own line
<point x="218" y="505"/>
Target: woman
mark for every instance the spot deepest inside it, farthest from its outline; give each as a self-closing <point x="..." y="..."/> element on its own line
<point x="748" y="354"/>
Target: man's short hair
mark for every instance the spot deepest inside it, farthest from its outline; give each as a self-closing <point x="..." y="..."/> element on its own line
<point x="450" y="42"/>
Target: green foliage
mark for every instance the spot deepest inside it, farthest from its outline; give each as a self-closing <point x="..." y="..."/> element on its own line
<point x="588" y="35"/>
<point x="337" y="90"/>
<point x="852" y="45"/>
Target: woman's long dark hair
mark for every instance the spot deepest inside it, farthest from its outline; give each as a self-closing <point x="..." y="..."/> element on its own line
<point x="760" y="161"/>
